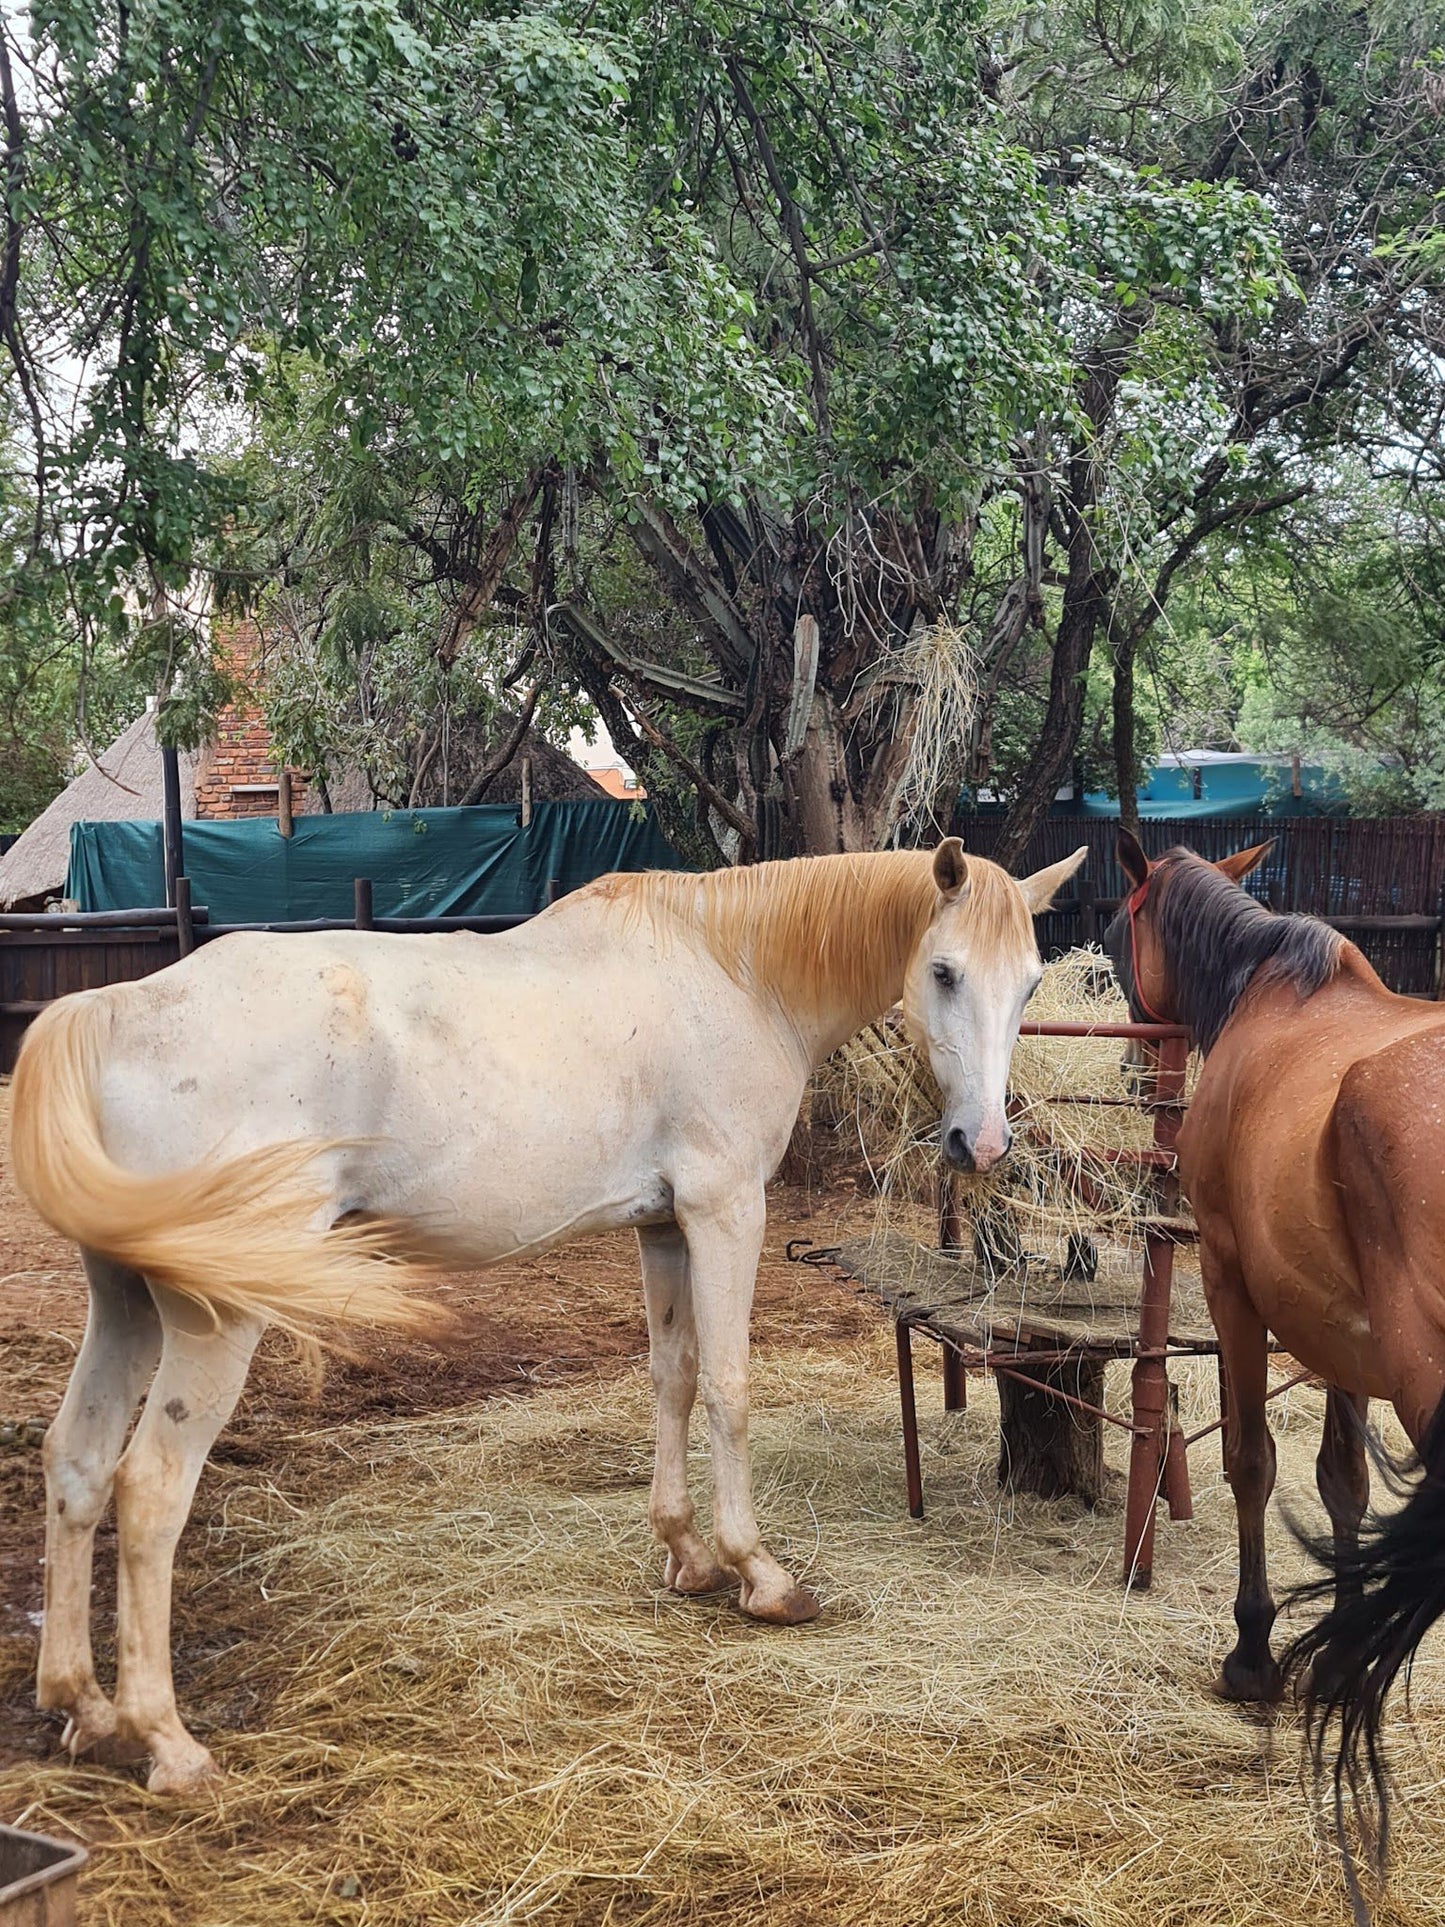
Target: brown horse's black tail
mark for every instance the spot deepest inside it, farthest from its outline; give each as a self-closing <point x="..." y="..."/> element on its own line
<point x="1390" y="1592"/>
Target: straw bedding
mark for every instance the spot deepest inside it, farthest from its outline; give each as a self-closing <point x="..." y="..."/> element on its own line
<point x="472" y="1704"/>
<point x="437" y="1662"/>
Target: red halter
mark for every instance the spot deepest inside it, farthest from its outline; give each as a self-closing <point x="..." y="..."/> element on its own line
<point x="1135" y="904"/>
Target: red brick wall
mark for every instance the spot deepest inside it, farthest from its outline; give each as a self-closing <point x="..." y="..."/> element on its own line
<point x="239" y="759"/>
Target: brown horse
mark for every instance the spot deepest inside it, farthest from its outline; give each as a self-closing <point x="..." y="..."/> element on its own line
<point x="1314" y="1157"/>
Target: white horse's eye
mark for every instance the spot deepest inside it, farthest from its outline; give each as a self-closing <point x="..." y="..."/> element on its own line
<point x="945" y="975"/>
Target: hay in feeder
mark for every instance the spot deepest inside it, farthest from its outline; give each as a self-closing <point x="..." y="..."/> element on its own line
<point x="468" y="1703"/>
<point x="881" y="1096"/>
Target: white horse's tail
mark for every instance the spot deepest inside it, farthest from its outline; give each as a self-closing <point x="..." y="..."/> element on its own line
<point x="243" y="1236"/>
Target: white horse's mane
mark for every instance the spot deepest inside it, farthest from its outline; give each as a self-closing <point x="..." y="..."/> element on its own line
<point x="823" y="927"/>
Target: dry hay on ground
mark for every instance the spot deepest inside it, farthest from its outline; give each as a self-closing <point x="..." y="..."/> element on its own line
<point x="479" y="1708"/>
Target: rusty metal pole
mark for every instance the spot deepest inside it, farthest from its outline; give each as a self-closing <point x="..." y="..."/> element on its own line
<point x="956" y="1380"/>
<point x="1176" y="1462"/>
<point x="1151" y="1378"/>
<point x="912" y="1465"/>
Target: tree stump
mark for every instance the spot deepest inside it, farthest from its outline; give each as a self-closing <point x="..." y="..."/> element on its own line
<point x="1047" y="1447"/>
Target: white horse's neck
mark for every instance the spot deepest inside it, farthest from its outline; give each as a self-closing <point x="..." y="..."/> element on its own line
<point x="826" y="940"/>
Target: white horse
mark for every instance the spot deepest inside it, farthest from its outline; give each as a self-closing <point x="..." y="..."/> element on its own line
<point x="257" y="1134"/>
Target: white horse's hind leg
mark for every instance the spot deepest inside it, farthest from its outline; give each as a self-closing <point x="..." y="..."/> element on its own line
<point x="672" y="1338"/>
<point x="202" y="1370"/>
<point x="119" y="1352"/>
<point x="723" y="1249"/>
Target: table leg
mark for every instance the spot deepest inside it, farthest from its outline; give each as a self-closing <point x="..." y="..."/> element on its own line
<point x="955" y="1381"/>
<point x="911" y="1463"/>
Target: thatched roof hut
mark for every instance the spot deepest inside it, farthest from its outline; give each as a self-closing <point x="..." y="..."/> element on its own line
<point x="555" y="777"/>
<point x="124" y="784"/>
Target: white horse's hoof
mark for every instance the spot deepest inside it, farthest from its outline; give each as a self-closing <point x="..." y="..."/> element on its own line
<point x="695" y="1578"/>
<point x="184" y="1773"/>
<point x="795" y="1607"/>
<point x="90" y="1729"/>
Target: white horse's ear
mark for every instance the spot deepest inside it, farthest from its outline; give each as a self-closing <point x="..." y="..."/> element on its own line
<point x="950" y="869"/>
<point x="1040" y="887"/>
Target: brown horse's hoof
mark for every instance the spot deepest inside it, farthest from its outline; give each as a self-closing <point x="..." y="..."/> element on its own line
<point x="1249" y="1685"/>
<point x="795" y="1608"/>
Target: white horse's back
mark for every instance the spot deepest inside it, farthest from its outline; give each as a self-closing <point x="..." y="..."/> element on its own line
<point x="499" y="1093"/>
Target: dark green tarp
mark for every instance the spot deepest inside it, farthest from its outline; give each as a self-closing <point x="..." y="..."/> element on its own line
<point x="422" y="863"/>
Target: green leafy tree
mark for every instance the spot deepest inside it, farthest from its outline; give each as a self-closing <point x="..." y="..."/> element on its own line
<point x="941" y="337"/>
<point x="836" y="402"/>
<point x="1333" y="118"/>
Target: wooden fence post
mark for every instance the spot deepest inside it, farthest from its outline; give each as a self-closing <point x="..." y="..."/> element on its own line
<point x="185" y="922"/>
<point x="1088" y="910"/>
<point x="172" y="832"/>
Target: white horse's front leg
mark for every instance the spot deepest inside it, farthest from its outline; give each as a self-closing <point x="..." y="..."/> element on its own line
<point x="672" y="1340"/>
<point x="723" y="1249"/>
<point x="119" y="1353"/>
<point x="201" y="1373"/>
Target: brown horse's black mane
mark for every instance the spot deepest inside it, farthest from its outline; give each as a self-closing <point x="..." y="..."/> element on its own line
<point x="1216" y="939"/>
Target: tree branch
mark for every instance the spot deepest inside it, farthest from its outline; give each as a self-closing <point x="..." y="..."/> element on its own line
<point x="489" y="571"/>
<point x="709" y="792"/>
<point x="10" y="276"/>
<point x="659" y="542"/>
<point x="797" y="242"/>
<point x="480" y="784"/>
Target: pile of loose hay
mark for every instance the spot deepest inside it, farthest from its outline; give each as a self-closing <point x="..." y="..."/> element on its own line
<point x="879" y="1094"/>
<point x="489" y="1713"/>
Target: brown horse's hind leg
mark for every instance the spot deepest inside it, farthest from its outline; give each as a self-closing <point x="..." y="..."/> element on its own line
<point x="1342" y="1474"/>
<point x="1249" y="1671"/>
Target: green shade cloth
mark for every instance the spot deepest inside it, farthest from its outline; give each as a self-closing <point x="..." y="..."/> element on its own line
<point x="422" y="863"/>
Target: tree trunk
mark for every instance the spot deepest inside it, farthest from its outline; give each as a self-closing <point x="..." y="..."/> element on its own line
<point x="1126" y="778"/>
<point x="1085" y="605"/>
<point x="828" y="818"/>
<point x="1047" y="1447"/>
<point x="1087" y="589"/>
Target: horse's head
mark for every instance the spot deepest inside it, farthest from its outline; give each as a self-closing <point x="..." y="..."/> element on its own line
<point x="969" y="978"/>
<point x="1134" y="942"/>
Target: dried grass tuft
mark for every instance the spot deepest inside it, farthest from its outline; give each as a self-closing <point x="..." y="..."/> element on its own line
<point x="937" y="665"/>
